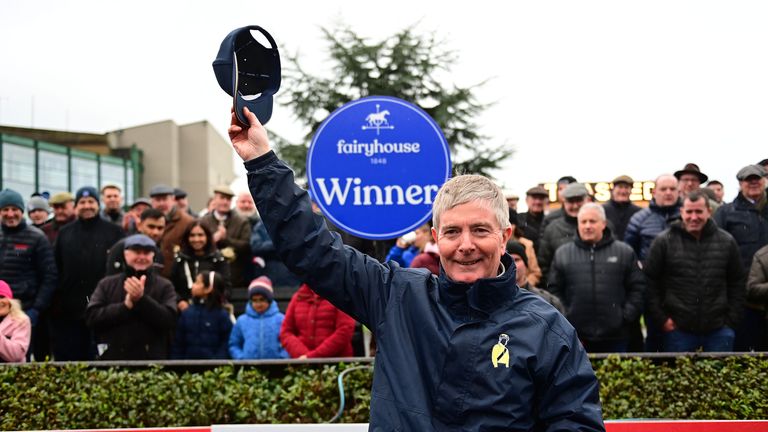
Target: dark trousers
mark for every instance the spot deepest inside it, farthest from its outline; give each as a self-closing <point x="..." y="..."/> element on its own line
<point x="720" y="340"/>
<point x="751" y="334"/>
<point x="72" y="340"/>
<point x="40" y="345"/>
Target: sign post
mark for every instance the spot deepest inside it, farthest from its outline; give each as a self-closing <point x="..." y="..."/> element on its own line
<point x="375" y="166"/>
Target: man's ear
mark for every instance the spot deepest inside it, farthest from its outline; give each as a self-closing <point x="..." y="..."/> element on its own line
<point x="434" y="234"/>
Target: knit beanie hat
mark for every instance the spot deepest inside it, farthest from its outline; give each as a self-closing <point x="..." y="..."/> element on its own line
<point x="9" y="197"/>
<point x="261" y="285"/>
<point x="87" y="191"/>
<point x="38" y="203"/>
<point x="516" y="248"/>
<point x="5" y="290"/>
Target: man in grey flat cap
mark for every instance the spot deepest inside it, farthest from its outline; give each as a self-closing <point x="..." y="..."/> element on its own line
<point x="746" y="219"/>
<point x="562" y="230"/>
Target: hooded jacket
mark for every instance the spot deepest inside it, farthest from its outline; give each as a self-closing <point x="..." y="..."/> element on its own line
<point x="315" y="328"/>
<point x="698" y="283"/>
<point x="186" y="267"/>
<point x="15" y="334"/>
<point x="451" y="356"/>
<point x="256" y="336"/>
<point x="202" y="332"/>
<point x="601" y="286"/>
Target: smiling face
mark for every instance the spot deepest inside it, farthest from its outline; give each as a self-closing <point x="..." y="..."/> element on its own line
<point x="222" y="202"/>
<point x="197" y="239"/>
<point x="139" y="258"/>
<point x="470" y="241"/>
<point x="621" y="192"/>
<point x="695" y="215"/>
<point x="536" y="203"/>
<point x="11" y="216"/>
<point x="87" y="208"/>
<point x="63" y="212"/>
<point x="752" y="187"/>
<point x="5" y="306"/>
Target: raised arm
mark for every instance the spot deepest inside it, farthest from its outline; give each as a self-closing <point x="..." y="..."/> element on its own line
<point x="353" y="282"/>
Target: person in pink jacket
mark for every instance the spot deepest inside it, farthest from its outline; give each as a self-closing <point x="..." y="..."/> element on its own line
<point x="15" y="328"/>
<point x="313" y="327"/>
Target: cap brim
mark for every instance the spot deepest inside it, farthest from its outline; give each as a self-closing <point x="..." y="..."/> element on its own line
<point x="261" y="107"/>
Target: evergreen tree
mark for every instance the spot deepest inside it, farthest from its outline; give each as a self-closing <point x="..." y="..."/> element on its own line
<point x="405" y="65"/>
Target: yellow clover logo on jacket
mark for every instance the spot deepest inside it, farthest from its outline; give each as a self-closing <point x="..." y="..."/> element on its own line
<point x="500" y="352"/>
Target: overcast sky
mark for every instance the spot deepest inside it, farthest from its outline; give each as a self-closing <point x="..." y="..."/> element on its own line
<point x="590" y="89"/>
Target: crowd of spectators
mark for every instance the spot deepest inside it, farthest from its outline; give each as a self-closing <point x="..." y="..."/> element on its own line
<point x="83" y="277"/>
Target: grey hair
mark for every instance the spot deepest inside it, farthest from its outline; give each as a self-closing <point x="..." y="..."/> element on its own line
<point x="593" y="206"/>
<point x="470" y="188"/>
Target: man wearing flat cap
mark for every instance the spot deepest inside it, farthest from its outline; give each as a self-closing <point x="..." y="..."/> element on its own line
<point x="132" y="313"/>
<point x="536" y="199"/>
<point x="63" y="205"/>
<point x="619" y="209"/>
<point x="746" y="219"/>
<point x="163" y="198"/>
<point x="81" y="257"/>
<point x="690" y="178"/>
<point x="563" y="229"/>
<point x="230" y="231"/>
<point x="182" y="201"/>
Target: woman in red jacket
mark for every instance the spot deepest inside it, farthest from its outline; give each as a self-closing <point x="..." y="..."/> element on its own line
<point x="313" y="327"/>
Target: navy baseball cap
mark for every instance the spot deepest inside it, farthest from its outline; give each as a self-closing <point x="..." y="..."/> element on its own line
<point x="249" y="72"/>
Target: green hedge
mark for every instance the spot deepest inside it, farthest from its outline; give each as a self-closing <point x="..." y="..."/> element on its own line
<point x="49" y="396"/>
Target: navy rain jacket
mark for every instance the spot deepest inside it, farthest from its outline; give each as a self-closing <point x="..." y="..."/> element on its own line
<point x="442" y="363"/>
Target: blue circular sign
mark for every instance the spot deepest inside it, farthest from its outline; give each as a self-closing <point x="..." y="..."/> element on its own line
<point x="375" y="166"/>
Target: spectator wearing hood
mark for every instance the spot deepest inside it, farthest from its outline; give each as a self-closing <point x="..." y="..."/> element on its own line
<point x="15" y="328"/>
<point x="256" y="334"/>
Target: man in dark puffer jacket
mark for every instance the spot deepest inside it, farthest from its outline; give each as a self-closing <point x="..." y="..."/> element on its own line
<point x="746" y="219"/>
<point x="600" y="283"/>
<point x="695" y="281"/>
<point x="26" y="260"/>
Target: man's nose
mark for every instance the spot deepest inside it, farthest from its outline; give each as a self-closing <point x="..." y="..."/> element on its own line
<point x="466" y="242"/>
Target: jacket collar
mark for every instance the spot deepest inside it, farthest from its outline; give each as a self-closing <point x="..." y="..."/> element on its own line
<point x="667" y="210"/>
<point x="272" y="310"/>
<point x="22" y="224"/>
<point x="484" y="295"/>
<point x="709" y="228"/>
<point x="605" y="241"/>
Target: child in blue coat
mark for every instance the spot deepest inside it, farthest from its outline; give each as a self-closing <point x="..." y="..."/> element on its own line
<point x="203" y="329"/>
<point x="256" y="334"/>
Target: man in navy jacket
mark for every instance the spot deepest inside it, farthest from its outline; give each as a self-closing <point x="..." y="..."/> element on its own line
<point x="465" y="350"/>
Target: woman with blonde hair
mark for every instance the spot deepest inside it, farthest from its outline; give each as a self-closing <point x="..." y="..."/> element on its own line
<point x="15" y="328"/>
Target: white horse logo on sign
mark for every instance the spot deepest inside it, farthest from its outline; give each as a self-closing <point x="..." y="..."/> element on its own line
<point x="378" y="120"/>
